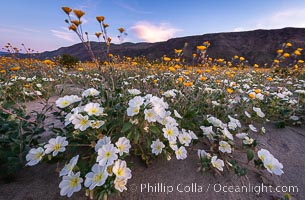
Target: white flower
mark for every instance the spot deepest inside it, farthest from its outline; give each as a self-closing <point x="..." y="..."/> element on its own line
<point x="94" y="109"/>
<point x="226" y="133"/>
<point x="81" y="122"/>
<point x="208" y="131"/>
<point x="56" y="145"/>
<point x="69" y="167"/>
<point x="273" y="166"/>
<point x="234" y="123"/>
<point x="107" y="154"/>
<point x="215" y="103"/>
<point x="120" y="184"/>
<point x="259" y="96"/>
<point x="203" y="154"/>
<point x="65" y="101"/>
<point x="177" y="114"/>
<point x="150" y="116"/>
<point x="181" y="153"/>
<point x="247" y="114"/>
<point x="248" y="140"/>
<point x="96" y="123"/>
<point x="34" y="156"/>
<point x="215" y="122"/>
<point x="97" y="177"/>
<point x="90" y="92"/>
<point x="224" y="147"/>
<point x="123" y="145"/>
<point x="136" y="101"/>
<point x="252" y="128"/>
<point x="263" y="130"/>
<point x="217" y="163"/>
<point x="192" y="134"/>
<point x="270" y="163"/>
<point x="170" y="132"/>
<point x="241" y="135"/>
<point x="157" y="147"/>
<point x="259" y="112"/>
<point x="185" y="138"/>
<point x="70" y="184"/>
<point x="121" y="170"/>
<point x="170" y="93"/>
<point x="131" y="111"/>
<point x="134" y="92"/>
<point x="101" y="142"/>
<point x="263" y="153"/>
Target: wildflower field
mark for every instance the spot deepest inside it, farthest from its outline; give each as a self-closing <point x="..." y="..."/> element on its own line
<point x="101" y="122"/>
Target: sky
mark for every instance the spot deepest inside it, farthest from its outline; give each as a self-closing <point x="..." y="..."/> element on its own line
<point x="40" y="24"/>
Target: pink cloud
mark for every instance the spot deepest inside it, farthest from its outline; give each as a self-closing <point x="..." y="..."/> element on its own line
<point x="153" y="33"/>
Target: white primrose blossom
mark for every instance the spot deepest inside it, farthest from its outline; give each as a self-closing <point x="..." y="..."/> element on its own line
<point x="107" y="154"/>
<point x="70" y="184"/>
<point x="97" y="177"/>
<point x="81" y="122"/>
<point x="259" y="112"/>
<point x="270" y="162"/>
<point x="34" y="156"/>
<point x="181" y="153"/>
<point x="121" y="170"/>
<point x="224" y="147"/>
<point x="66" y="101"/>
<point x="157" y="147"/>
<point x="69" y="167"/>
<point x="94" y="109"/>
<point x="56" y="145"/>
<point x="90" y="92"/>
<point x="217" y="163"/>
<point x="123" y="145"/>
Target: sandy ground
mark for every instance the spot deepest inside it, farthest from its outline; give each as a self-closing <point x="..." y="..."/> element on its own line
<point x="179" y="179"/>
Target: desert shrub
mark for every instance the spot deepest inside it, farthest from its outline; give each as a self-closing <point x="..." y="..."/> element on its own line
<point x="68" y="61"/>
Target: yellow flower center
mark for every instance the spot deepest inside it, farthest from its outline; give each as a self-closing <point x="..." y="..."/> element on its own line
<point x="107" y="154"/>
<point x="120" y="147"/>
<point x="93" y="110"/>
<point x="38" y="156"/>
<point x="73" y="182"/>
<point x="170" y="132"/>
<point x="270" y="166"/>
<point x="120" y="172"/>
<point x="57" y="147"/>
<point x="135" y="110"/>
<point x="65" y="103"/>
<point x="98" y="177"/>
<point x="83" y="122"/>
<point x="149" y="114"/>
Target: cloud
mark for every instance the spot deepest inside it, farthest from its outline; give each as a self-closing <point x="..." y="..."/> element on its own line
<point x="31" y="30"/>
<point x="131" y="8"/>
<point x="291" y="17"/>
<point x="153" y="33"/>
<point x="239" y="29"/>
<point x="7" y="30"/>
<point x="68" y="36"/>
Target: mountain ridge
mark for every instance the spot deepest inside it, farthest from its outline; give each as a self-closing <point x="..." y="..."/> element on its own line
<point x="257" y="46"/>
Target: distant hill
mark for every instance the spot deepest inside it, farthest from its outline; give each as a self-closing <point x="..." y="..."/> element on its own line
<point x="3" y="53"/>
<point x="258" y="46"/>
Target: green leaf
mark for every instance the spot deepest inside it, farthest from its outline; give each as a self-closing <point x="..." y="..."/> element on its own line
<point x="250" y="154"/>
<point x="136" y="136"/>
<point x="154" y="129"/>
<point x="126" y="127"/>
